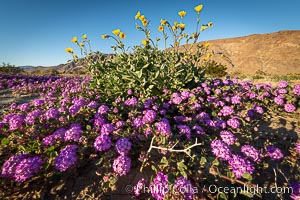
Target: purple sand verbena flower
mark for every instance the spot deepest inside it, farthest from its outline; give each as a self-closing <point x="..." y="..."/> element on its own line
<point x="239" y="166"/>
<point x="107" y="129"/>
<point x="139" y="188"/>
<point x="149" y="116"/>
<point x="27" y="168"/>
<point x="66" y="158"/>
<point x="233" y="123"/>
<point x="16" y="121"/>
<point x="73" y="133"/>
<point x="159" y="186"/>
<point x="184" y="130"/>
<point x="121" y="165"/>
<point x="9" y="166"/>
<point x="123" y="146"/>
<point x="226" y="111"/>
<point x="228" y="137"/>
<point x="184" y="187"/>
<point x="289" y="108"/>
<point x="250" y="152"/>
<point x="163" y="127"/>
<point x="295" y="190"/>
<point x="274" y="153"/>
<point x="220" y="149"/>
<point x="102" y="143"/>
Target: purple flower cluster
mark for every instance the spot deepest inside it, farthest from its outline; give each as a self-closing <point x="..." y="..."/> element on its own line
<point x="30" y="118"/>
<point x="139" y="187"/>
<point x="21" y="167"/>
<point x="295" y="190"/>
<point x="163" y="127"/>
<point x="297" y="147"/>
<point x="233" y="123"/>
<point x="16" y="121"/>
<point x="226" y="111"/>
<point x="250" y="152"/>
<point x="289" y="108"/>
<point x="103" y="109"/>
<point x="149" y="116"/>
<point x="274" y="153"/>
<point x="121" y="165"/>
<point x="278" y="100"/>
<point x="296" y="90"/>
<point x="74" y="109"/>
<point x="160" y="186"/>
<point x="282" y="84"/>
<point x="52" y="113"/>
<point x="184" y="188"/>
<point x="102" y="142"/>
<point x="220" y="149"/>
<point x="239" y="166"/>
<point x="228" y="137"/>
<point x="131" y="101"/>
<point x="73" y="133"/>
<point x="107" y="129"/>
<point x="66" y="158"/>
<point x="184" y="130"/>
<point x="58" y="135"/>
<point x="236" y="99"/>
<point x="123" y="146"/>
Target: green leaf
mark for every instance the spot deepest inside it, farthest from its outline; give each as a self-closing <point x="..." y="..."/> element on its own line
<point x="164" y="161"/>
<point x="215" y="162"/>
<point x="247" y="176"/>
<point x="222" y="196"/>
<point x="154" y="168"/>
<point x="4" y="141"/>
<point x="230" y="174"/>
<point x="50" y="149"/>
<point x="203" y="160"/>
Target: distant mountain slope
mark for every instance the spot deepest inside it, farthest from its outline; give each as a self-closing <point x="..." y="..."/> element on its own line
<point x="274" y="53"/>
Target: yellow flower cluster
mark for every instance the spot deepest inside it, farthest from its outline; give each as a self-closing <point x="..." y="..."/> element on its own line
<point x="142" y="18"/>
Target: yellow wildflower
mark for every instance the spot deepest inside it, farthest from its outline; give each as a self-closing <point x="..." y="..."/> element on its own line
<point x="81" y="44"/>
<point x="198" y="8"/>
<point x="163" y="22"/>
<point x="209" y="55"/>
<point x="174" y="28"/>
<point x="138" y="14"/>
<point x="142" y="17"/>
<point x="210" y="24"/>
<point x="145" y="42"/>
<point x="182" y="26"/>
<point x="84" y="36"/>
<point x="116" y="32"/>
<point x="206" y="45"/>
<point x="160" y="28"/>
<point x="145" y="22"/>
<point x="122" y="35"/>
<point x="75" y="56"/>
<point x="205" y="59"/>
<point x="182" y="13"/>
<point x="104" y="36"/>
<point x="69" y="50"/>
<point x="74" y="39"/>
<point x="195" y="35"/>
<point x="203" y="28"/>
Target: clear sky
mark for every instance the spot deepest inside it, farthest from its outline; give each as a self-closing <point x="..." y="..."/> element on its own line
<point x="36" y="32"/>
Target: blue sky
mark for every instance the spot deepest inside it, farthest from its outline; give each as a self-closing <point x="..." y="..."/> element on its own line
<point x="36" y="32"/>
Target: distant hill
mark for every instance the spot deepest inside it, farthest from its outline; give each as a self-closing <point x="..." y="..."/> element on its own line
<point x="274" y="53"/>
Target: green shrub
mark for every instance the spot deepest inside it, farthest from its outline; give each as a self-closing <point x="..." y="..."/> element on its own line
<point x="7" y="68"/>
<point x="214" y="69"/>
